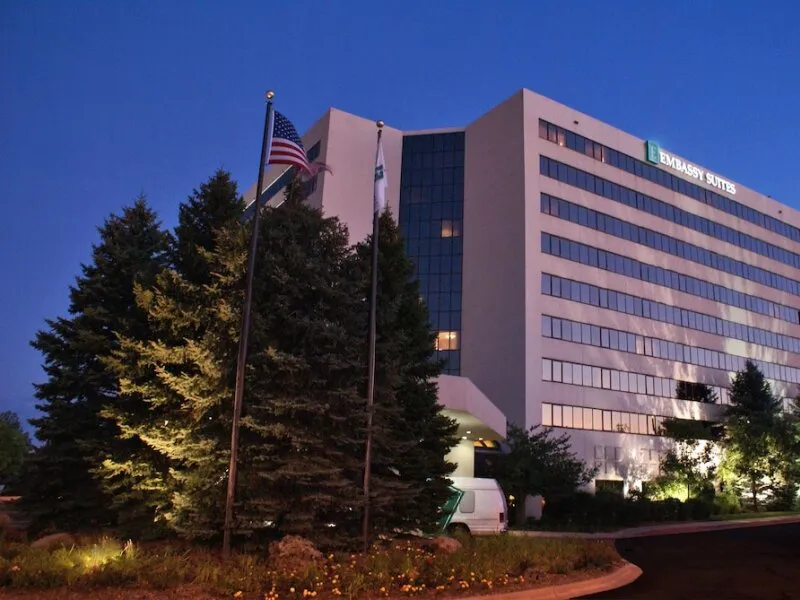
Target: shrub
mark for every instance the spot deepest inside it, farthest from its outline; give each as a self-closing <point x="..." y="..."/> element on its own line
<point x="727" y="503"/>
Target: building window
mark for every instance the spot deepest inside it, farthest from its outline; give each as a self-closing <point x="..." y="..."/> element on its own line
<point x="451" y="229"/>
<point x="595" y="419"/>
<point x="447" y="340"/>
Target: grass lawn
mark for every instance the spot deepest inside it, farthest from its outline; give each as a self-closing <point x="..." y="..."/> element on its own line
<point x="576" y="528"/>
<point x="111" y="569"/>
<point x="760" y="515"/>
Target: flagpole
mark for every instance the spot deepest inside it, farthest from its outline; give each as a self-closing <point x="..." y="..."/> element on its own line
<point x="241" y="361"/>
<point x="373" y="306"/>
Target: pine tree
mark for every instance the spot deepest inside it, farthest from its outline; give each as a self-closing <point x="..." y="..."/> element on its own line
<point x="214" y="207"/>
<point x="15" y="446"/>
<point x="63" y="490"/>
<point x="696" y="392"/>
<point x="411" y="436"/>
<point x="175" y="473"/>
<point x="751" y="420"/>
<point x="302" y="422"/>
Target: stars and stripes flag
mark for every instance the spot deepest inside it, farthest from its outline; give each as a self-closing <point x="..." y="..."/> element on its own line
<point x="287" y="147"/>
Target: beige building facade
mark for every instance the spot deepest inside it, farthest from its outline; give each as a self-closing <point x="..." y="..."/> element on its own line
<point x="575" y="274"/>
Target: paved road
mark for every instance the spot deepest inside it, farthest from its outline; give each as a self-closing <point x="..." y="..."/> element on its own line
<point x="758" y="563"/>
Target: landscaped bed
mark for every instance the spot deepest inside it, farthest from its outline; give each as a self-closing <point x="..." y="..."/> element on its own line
<point x="111" y="569"/>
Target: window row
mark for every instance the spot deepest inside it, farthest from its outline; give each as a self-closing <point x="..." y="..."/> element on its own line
<point x="622" y="265"/>
<point x="451" y="246"/>
<point x="445" y="320"/>
<point x="619" y="381"/>
<point x="451" y="360"/>
<point x="596" y="419"/>
<point x="444" y="228"/>
<point x="443" y="301"/>
<point x="433" y="142"/>
<point x="419" y="196"/>
<point x="436" y="282"/>
<point x="667" y="211"/>
<point x="697" y="254"/>
<point x="432" y="160"/>
<point x="585" y="293"/>
<point x="603" y="337"/>
<point x="587" y="217"/>
<point x="642" y="169"/>
<point x="453" y="176"/>
<point x="447" y="340"/>
<point x="412" y="215"/>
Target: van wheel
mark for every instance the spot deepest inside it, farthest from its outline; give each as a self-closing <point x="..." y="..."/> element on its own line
<point x="460" y="532"/>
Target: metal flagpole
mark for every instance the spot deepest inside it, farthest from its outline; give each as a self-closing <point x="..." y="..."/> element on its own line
<point x="373" y="304"/>
<point x="266" y="143"/>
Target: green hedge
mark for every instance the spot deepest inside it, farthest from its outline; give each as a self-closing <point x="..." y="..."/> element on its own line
<point x="584" y="511"/>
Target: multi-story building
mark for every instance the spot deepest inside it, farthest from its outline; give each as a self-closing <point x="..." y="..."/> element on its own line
<point x="576" y="274"/>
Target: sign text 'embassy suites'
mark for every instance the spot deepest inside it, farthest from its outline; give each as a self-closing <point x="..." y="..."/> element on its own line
<point x="657" y="156"/>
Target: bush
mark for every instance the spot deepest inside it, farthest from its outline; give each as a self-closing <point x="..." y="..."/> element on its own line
<point x="727" y="503"/>
<point x="586" y="512"/>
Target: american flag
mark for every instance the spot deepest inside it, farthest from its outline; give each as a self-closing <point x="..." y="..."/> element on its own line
<point x="287" y="147"/>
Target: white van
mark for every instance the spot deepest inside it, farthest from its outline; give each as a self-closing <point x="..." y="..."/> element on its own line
<point x="478" y="507"/>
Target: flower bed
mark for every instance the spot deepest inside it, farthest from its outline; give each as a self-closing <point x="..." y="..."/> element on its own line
<point x="485" y="565"/>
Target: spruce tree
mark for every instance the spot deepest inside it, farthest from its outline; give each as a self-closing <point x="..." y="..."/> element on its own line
<point x="174" y="473"/>
<point x="751" y="422"/>
<point x="15" y="447"/>
<point x="63" y="491"/>
<point x="696" y="392"/>
<point x="411" y="436"/>
<point x="302" y="422"/>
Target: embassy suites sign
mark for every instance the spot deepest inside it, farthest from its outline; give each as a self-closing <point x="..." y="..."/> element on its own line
<point x="657" y="156"/>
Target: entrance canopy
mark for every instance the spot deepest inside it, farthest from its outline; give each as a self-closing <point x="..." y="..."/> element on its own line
<point x="478" y="419"/>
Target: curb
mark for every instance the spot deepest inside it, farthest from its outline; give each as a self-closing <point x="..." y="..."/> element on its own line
<point x="671" y="529"/>
<point x="624" y="575"/>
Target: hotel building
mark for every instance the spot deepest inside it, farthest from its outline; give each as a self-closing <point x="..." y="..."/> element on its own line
<point x="574" y="273"/>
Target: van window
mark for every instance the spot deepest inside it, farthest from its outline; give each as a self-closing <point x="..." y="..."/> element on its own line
<point x="467" y="504"/>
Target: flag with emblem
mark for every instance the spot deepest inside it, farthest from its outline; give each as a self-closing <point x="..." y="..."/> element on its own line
<point x="380" y="179"/>
<point x="287" y="147"/>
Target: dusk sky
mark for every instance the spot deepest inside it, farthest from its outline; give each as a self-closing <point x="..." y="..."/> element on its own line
<point x="103" y="101"/>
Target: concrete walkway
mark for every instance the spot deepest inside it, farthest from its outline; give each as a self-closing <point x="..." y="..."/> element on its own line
<point x="663" y="529"/>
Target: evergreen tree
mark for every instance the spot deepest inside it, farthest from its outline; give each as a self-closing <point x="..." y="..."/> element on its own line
<point x="751" y="423"/>
<point x="214" y="207"/>
<point x="15" y="446"/>
<point x="302" y="422"/>
<point x="62" y="490"/>
<point x="541" y="463"/>
<point x="696" y="392"/>
<point x="411" y="436"/>
<point x="174" y="473"/>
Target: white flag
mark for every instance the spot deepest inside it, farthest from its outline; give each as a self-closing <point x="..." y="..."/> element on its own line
<point x="380" y="180"/>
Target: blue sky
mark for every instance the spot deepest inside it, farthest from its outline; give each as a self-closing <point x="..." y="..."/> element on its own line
<point x="102" y="101"/>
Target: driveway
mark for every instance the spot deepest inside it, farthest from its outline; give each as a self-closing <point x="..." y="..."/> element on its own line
<point x="756" y="563"/>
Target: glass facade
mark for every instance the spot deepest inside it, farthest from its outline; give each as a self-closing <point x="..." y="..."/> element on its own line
<point x="431" y="219"/>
